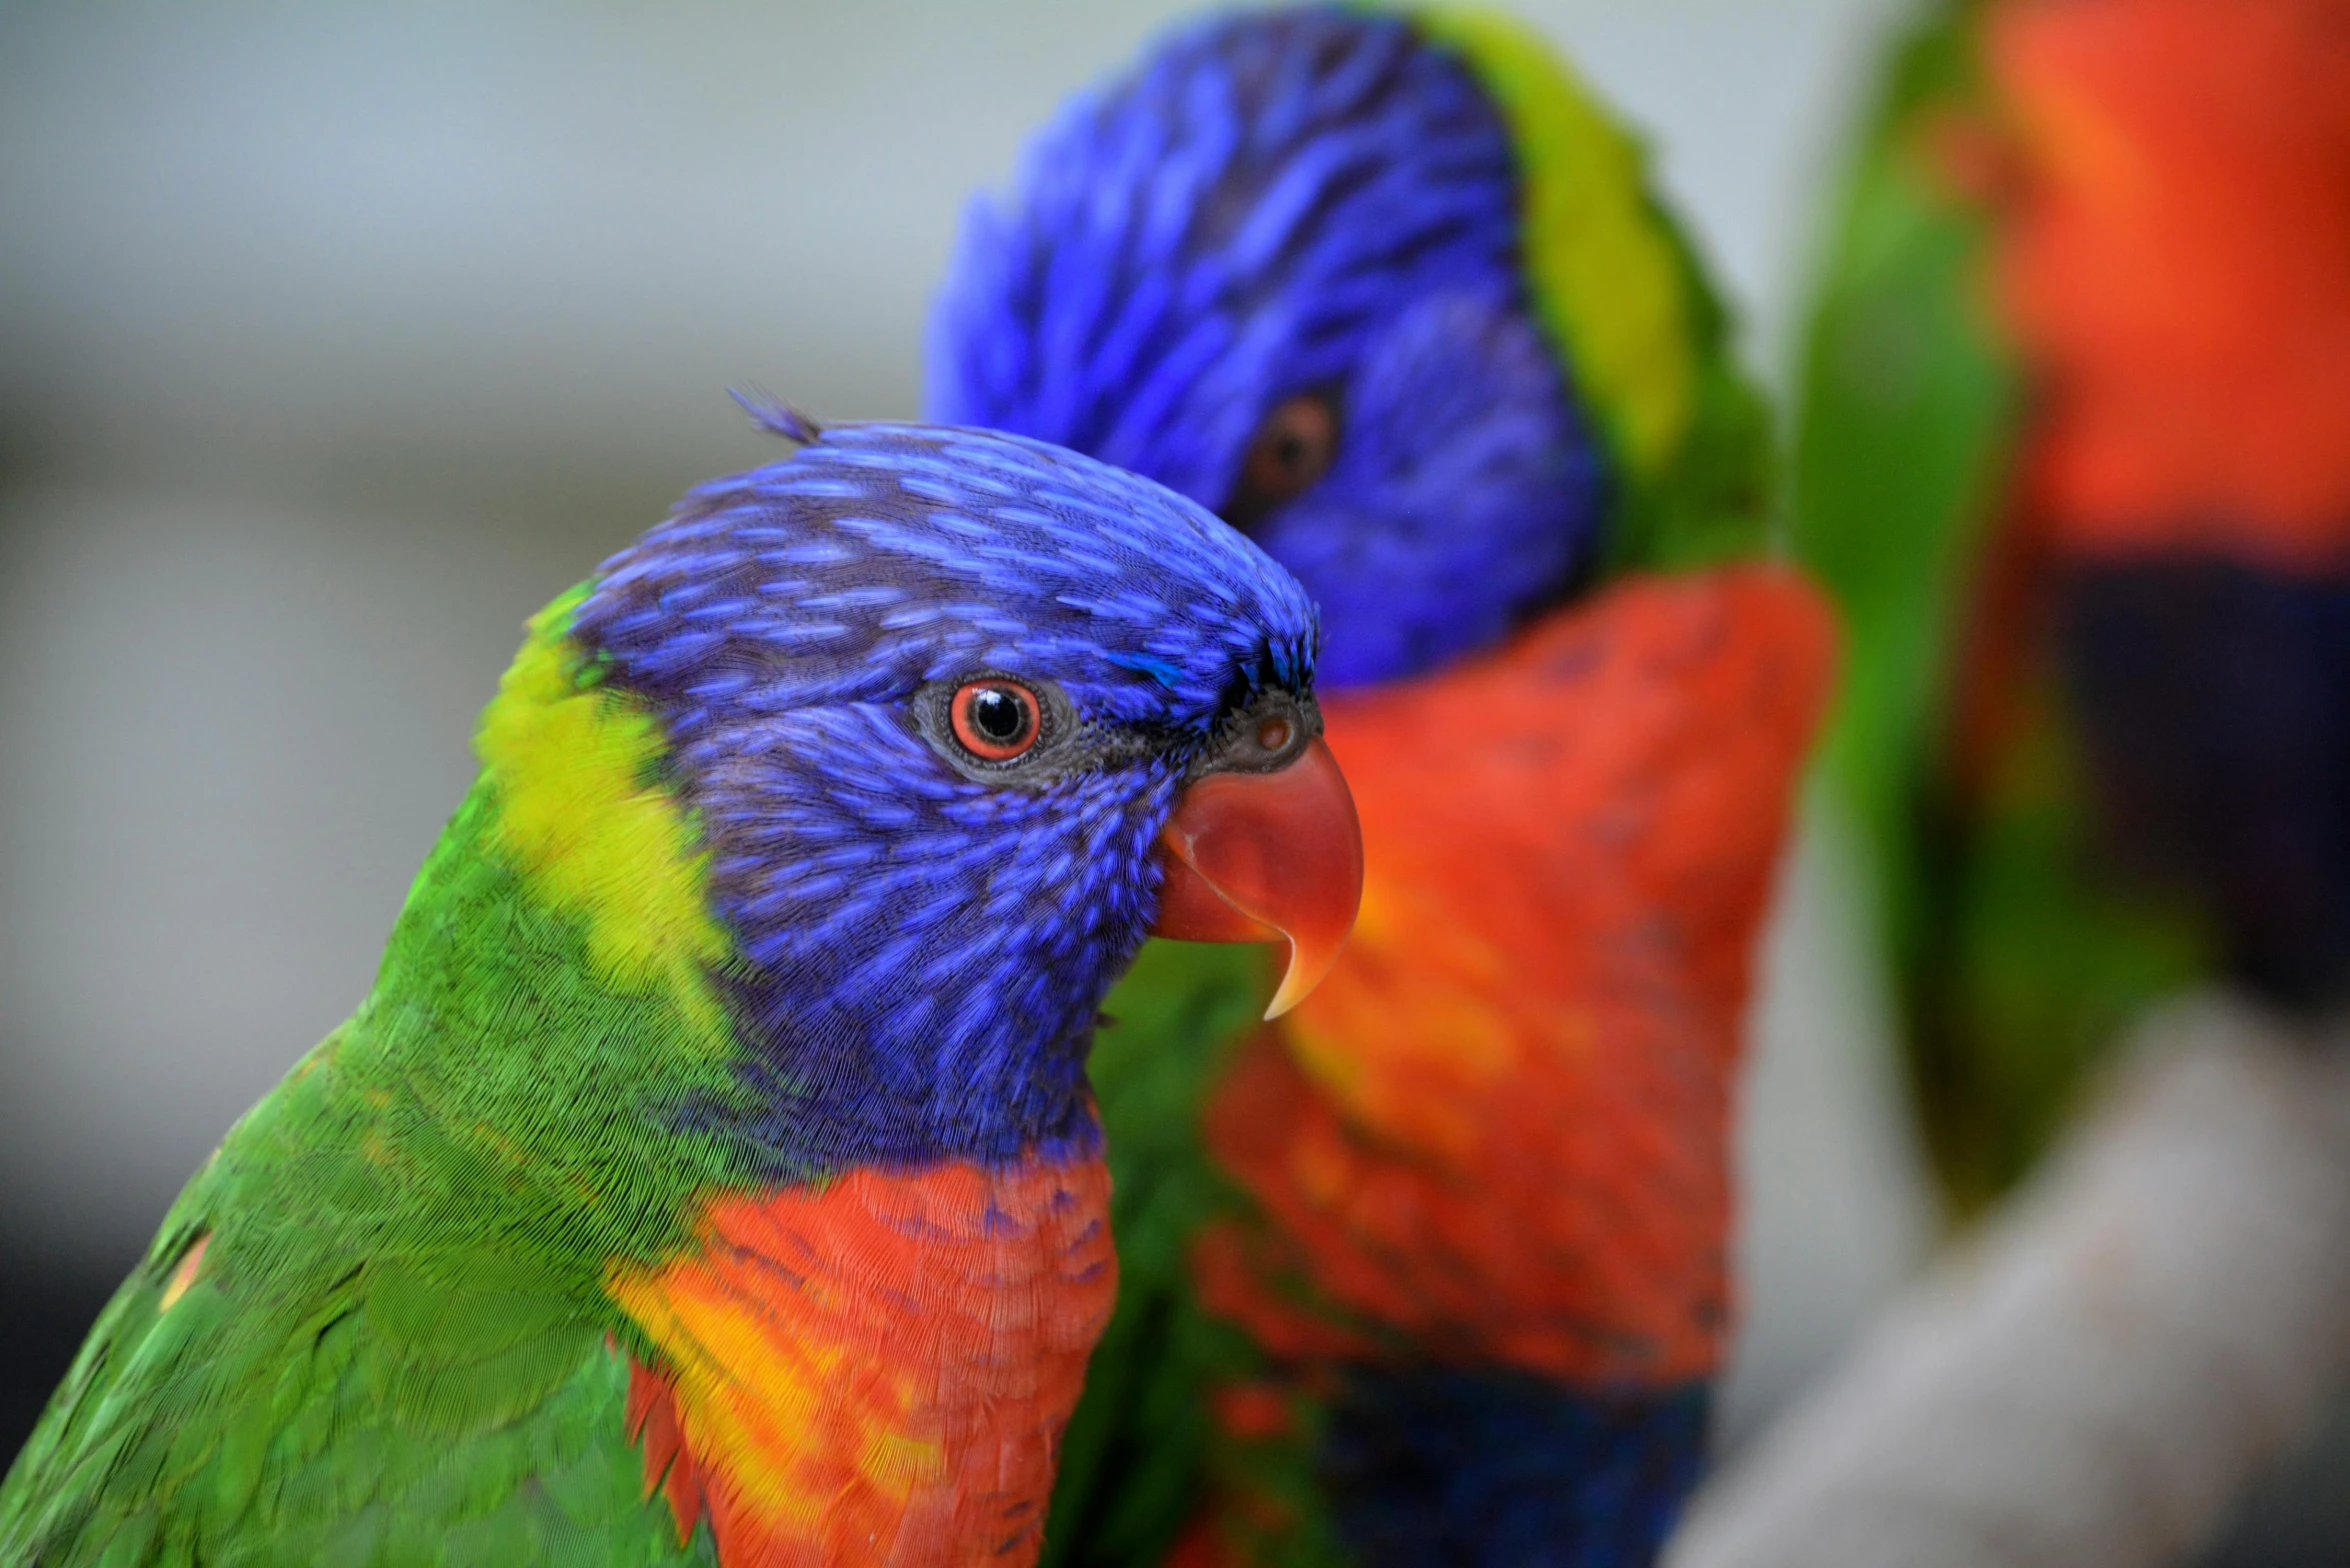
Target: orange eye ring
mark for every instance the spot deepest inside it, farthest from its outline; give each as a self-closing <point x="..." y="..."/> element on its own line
<point x="996" y="720"/>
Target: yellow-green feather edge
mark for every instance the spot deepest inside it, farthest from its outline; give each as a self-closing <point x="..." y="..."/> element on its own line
<point x="1617" y="286"/>
<point x="1606" y="277"/>
<point x="585" y="821"/>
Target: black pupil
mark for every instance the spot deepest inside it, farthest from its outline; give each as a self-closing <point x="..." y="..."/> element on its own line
<point x="998" y="715"/>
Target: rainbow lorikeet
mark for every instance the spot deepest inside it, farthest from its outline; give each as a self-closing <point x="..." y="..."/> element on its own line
<point x="711" y="1175"/>
<point x="2075" y="456"/>
<point x="1433" y="1270"/>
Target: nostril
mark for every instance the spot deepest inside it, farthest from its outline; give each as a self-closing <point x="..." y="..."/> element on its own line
<point x="1274" y="734"/>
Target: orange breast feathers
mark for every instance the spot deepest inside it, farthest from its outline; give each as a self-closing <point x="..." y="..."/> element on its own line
<point x="2174" y="258"/>
<point x="877" y="1369"/>
<point x="1500" y="1128"/>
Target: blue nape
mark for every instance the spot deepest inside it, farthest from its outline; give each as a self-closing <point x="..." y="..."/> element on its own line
<point x="1311" y="202"/>
<point x="2214" y="698"/>
<point x="1456" y="1467"/>
<point x="920" y="951"/>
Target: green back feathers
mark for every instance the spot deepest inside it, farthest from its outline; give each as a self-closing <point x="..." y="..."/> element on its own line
<point x="292" y="1404"/>
<point x="1618" y="287"/>
<point x="404" y="1246"/>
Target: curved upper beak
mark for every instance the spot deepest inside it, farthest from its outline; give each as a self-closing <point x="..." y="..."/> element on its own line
<point x="1265" y="857"/>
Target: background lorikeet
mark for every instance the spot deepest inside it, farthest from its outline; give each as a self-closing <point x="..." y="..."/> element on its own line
<point x="1434" y="1269"/>
<point x="2075" y="457"/>
<point x="711" y="1174"/>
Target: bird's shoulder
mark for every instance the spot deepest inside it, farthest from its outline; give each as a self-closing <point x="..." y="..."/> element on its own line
<point x="300" y="1371"/>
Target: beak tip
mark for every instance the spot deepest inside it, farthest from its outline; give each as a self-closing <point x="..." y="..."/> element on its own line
<point x="1305" y="973"/>
<point x="1261" y="857"/>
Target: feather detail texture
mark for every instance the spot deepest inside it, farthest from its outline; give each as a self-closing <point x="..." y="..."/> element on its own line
<point x="710" y="1175"/>
<point x="877" y="1370"/>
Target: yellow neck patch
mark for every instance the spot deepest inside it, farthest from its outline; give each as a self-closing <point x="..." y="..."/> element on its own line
<point x="1606" y="275"/>
<point x="591" y="833"/>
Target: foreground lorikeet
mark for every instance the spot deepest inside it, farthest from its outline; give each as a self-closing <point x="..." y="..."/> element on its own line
<point x="711" y="1174"/>
<point x="1434" y="1270"/>
<point x="2075" y="455"/>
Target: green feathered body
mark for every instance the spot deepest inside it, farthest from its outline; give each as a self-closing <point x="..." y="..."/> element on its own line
<point x="374" y="1328"/>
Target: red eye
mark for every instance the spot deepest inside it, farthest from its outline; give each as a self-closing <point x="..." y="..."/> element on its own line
<point x="996" y="720"/>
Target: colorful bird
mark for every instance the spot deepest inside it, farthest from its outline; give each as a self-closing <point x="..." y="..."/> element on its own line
<point x="1433" y="1270"/>
<point x="2075" y="456"/>
<point x="711" y="1173"/>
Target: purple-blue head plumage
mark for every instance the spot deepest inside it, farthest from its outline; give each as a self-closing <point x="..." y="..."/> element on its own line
<point x="1277" y="267"/>
<point x="925" y="928"/>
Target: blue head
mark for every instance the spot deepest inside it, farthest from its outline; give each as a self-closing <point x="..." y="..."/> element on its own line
<point x="932" y="695"/>
<point x="1279" y="268"/>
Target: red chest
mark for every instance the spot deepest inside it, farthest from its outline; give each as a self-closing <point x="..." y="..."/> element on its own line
<point x="1499" y="1129"/>
<point x="877" y="1369"/>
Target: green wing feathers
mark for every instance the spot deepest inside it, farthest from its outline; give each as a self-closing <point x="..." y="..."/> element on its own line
<point x="1947" y="754"/>
<point x="387" y="1285"/>
<point x="292" y="1377"/>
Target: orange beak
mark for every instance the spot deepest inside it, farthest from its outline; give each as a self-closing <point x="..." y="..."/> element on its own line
<point x="1267" y="857"/>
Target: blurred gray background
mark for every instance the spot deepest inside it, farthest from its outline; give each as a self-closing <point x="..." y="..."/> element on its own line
<point x="334" y="340"/>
